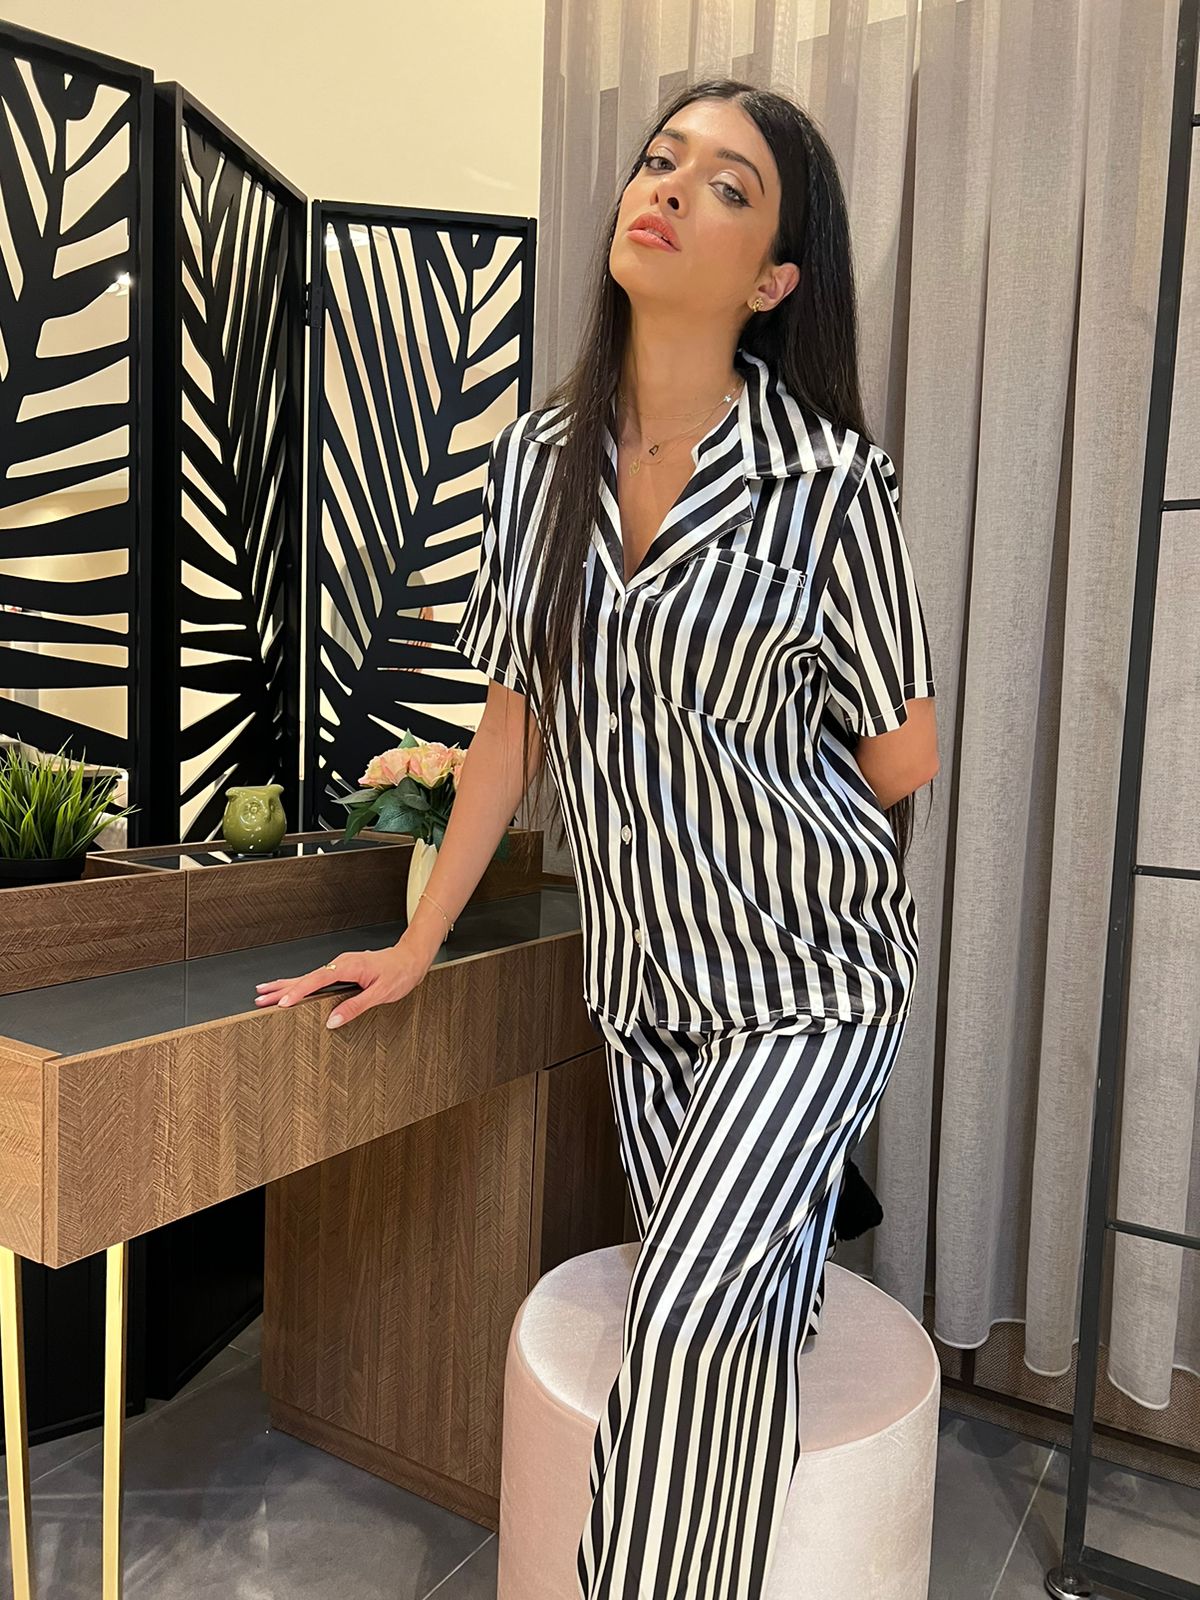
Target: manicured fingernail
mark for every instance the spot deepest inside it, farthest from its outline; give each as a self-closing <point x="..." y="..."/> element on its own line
<point x="285" y="1001"/>
<point x="335" y="1021"/>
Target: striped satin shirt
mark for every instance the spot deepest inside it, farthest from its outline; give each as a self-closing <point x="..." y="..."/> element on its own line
<point x="733" y="863"/>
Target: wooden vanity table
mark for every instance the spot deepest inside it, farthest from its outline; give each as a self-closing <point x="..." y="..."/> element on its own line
<point x="426" y="1162"/>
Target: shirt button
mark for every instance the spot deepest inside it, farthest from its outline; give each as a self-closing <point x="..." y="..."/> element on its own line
<point x="627" y="833"/>
<point x="637" y="936"/>
<point x="612" y="719"/>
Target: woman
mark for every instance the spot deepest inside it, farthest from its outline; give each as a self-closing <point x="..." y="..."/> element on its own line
<point x="718" y="649"/>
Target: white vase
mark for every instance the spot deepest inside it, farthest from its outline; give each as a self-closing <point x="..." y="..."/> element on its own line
<point x="421" y="863"/>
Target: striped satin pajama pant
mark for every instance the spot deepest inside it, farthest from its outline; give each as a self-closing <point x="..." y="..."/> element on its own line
<point x="733" y="1144"/>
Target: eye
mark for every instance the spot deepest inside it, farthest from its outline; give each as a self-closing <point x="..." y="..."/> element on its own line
<point x="737" y="197"/>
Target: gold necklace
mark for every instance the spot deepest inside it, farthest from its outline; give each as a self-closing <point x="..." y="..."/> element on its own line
<point x="635" y="465"/>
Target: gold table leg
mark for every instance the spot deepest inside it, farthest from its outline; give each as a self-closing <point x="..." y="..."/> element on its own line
<point x="116" y="1287"/>
<point x="16" y="1433"/>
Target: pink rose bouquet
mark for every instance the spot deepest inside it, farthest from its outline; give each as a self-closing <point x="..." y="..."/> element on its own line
<point x="408" y="789"/>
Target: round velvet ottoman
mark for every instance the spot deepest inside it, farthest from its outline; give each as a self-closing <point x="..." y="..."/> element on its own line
<point x="859" y="1515"/>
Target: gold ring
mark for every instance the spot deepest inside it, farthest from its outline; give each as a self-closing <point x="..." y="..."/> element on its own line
<point x="331" y="963"/>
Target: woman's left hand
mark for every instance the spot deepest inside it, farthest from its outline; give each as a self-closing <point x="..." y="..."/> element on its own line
<point x="383" y="975"/>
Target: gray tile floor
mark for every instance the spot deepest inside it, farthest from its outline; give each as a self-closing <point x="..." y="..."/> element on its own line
<point x="218" y="1504"/>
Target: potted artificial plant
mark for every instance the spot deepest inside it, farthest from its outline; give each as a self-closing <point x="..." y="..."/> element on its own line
<point x="50" y="813"/>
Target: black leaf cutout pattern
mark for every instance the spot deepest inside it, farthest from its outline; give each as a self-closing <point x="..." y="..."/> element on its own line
<point x="70" y="345"/>
<point x="423" y="357"/>
<point x="238" y="519"/>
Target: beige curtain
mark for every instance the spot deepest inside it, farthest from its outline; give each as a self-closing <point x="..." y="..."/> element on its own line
<point x="1005" y="166"/>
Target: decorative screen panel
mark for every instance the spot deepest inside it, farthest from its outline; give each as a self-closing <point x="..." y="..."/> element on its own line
<point x="232" y="348"/>
<point x="75" y="133"/>
<point x="422" y="352"/>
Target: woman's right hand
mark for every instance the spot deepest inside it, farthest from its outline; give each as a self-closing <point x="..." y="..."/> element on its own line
<point x="383" y="975"/>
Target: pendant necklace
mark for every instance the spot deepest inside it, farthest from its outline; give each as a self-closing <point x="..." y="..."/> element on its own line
<point x="652" y="454"/>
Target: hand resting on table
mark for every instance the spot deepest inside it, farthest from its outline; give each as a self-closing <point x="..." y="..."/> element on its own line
<point x="382" y="976"/>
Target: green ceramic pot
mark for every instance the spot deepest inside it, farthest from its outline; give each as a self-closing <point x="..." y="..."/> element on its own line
<point x="254" y="821"/>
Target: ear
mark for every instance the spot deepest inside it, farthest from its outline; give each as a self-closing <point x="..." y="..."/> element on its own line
<point x="779" y="284"/>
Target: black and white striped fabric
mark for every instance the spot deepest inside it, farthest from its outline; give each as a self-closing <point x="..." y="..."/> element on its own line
<point x="734" y="1143"/>
<point x="733" y="863"/>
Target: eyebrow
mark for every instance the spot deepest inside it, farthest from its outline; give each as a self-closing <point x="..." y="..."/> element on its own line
<point x="724" y="155"/>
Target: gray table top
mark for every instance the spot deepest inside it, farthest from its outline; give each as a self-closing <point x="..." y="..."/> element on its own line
<point x="92" y="1013"/>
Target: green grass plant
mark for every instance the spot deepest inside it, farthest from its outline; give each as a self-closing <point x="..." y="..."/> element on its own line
<point x="50" y="808"/>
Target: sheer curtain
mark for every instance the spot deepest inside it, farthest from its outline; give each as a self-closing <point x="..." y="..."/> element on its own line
<point x="1005" y="167"/>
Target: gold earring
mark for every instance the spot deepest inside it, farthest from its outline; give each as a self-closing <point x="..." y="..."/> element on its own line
<point x="757" y="304"/>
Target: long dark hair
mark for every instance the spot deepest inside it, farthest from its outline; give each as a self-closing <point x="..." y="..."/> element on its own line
<point x="810" y="338"/>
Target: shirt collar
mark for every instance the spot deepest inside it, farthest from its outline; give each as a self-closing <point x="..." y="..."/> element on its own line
<point x="779" y="436"/>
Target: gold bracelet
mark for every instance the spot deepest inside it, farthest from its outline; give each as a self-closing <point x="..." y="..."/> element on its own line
<point x="425" y="895"/>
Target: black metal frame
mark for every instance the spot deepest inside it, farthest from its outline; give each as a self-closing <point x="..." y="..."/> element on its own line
<point x="138" y="82"/>
<point x="176" y="110"/>
<point x="1082" y="1563"/>
<point x="323" y="213"/>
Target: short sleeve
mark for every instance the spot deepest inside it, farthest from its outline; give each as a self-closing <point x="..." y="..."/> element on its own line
<point x="874" y="641"/>
<point x="484" y="635"/>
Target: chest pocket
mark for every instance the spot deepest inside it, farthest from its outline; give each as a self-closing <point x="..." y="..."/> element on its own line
<point x="715" y="637"/>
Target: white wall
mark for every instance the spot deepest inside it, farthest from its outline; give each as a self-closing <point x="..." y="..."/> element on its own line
<point x="397" y="103"/>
